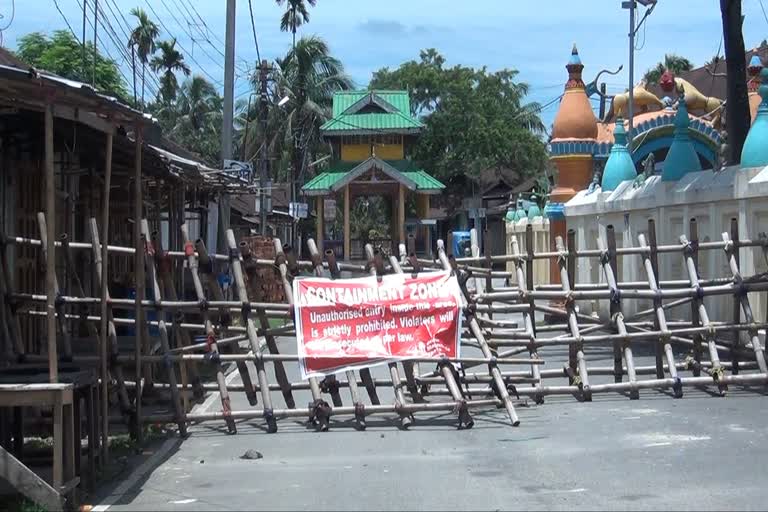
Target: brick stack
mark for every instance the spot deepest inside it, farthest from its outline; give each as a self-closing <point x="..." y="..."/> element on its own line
<point x="269" y="283"/>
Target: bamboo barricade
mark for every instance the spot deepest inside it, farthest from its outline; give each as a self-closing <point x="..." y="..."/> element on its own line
<point x="733" y="353"/>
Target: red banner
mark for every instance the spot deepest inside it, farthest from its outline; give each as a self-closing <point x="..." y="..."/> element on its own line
<point x="356" y="323"/>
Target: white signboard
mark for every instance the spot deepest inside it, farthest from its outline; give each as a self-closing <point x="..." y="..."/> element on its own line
<point x="298" y="210"/>
<point x="242" y="170"/>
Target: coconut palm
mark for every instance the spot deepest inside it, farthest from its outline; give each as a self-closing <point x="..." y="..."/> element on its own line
<point x="143" y="41"/>
<point x="170" y="61"/>
<point x="296" y="15"/>
<point x="672" y="62"/>
<point x="309" y="76"/>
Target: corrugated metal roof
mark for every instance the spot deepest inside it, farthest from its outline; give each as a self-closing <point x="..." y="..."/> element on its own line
<point x="326" y="180"/>
<point x="401" y="119"/>
<point x="345" y="99"/>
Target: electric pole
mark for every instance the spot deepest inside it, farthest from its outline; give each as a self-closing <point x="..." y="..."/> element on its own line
<point x="632" y="5"/>
<point x="227" y="126"/>
<point x="263" y="157"/>
<point x="95" y="41"/>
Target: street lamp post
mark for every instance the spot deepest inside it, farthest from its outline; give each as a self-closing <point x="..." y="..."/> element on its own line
<point x="632" y="5"/>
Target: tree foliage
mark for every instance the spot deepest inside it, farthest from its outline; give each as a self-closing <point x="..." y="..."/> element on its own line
<point x="673" y="62"/>
<point x="308" y="76"/>
<point x="143" y="39"/>
<point x="61" y="53"/>
<point x="474" y="119"/>
<point x="296" y="14"/>
<point x="169" y="62"/>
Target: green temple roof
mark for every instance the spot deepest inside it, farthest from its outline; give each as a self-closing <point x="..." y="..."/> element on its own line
<point x="360" y="112"/>
<point x="342" y="173"/>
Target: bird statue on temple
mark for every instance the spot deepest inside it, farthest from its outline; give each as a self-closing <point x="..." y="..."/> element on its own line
<point x="694" y="99"/>
<point x="641" y="97"/>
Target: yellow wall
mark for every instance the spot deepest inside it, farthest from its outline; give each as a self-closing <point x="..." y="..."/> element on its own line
<point x="360" y="152"/>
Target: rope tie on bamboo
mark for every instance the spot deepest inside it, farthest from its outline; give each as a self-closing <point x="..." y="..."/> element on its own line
<point x="189" y="249"/>
<point x="465" y="419"/>
<point x="167" y="362"/>
<point x="562" y="257"/>
<point x="698" y="292"/>
<point x="569" y="298"/>
<point x="165" y="264"/>
<point x="320" y="414"/>
<point x="605" y="257"/>
<point x="207" y="267"/>
<point x="658" y="298"/>
<point x="360" y="413"/>
<point x="210" y="340"/>
<point x="329" y="386"/>
<point x="665" y="336"/>
<point x="226" y="407"/>
<point x="615" y="296"/>
<point x="740" y="288"/>
<point x="245" y="310"/>
<point x="149" y="248"/>
<point x="203" y="304"/>
<point x="690" y="247"/>
<point x="717" y="373"/>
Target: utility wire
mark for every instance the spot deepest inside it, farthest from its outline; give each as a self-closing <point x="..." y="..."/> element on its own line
<point x="762" y="8"/>
<point x="184" y="50"/>
<point x="153" y="81"/>
<point x="253" y="27"/>
<point x="13" y="15"/>
<point x="216" y="60"/>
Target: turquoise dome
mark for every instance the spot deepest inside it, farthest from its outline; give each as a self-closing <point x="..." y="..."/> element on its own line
<point x="619" y="166"/>
<point x="534" y="210"/>
<point x="681" y="158"/>
<point x="755" y="150"/>
<point x="520" y="212"/>
<point x="510" y="216"/>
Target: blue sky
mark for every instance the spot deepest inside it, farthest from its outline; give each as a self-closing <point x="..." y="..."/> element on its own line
<point x="533" y="36"/>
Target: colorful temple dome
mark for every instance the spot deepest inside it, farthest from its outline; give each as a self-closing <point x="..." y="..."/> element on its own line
<point x="755" y="150"/>
<point x="682" y="157"/>
<point x="619" y="166"/>
<point x="575" y="119"/>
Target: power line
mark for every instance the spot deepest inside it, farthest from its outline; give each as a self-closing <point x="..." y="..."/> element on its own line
<point x="154" y="79"/>
<point x="186" y="31"/>
<point x="253" y="27"/>
<point x="762" y="8"/>
<point x="188" y="54"/>
<point x="13" y="15"/>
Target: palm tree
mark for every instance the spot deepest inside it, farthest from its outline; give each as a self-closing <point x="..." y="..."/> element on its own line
<point x="296" y="15"/>
<point x="198" y="101"/>
<point x="170" y="60"/>
<point x="309" y="76"/>
<point x="672" y="62"/>
<point x="143" y="39"/>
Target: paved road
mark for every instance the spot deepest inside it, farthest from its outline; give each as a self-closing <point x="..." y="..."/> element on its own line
<point x="699" y="452"/>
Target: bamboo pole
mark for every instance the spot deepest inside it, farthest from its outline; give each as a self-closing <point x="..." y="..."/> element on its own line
<point x="110" y="332"/>
<point x="205" y="269"/>
<point x="164" y="344"/>
<point x="527" y="320"/>
<point x="138" y="214"/>
<point x="269" y="339"/>
<point x="703" y="317"/>
<point x="213" y="349"/>
<point x="742" y="299"/>
<point x="50" y="260"/>
<point x="104" y="286"/>
<point x="242" y="294"/>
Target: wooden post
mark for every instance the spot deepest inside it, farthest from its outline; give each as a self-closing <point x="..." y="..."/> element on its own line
<point x="401" y="212"/>
<point x="695" y="319"/>
<point x="104" y="295"/>
<point x="320" y="222"/>
<point x="653" y="260"/>
<point x="347" y="241"/>
<point x="212" y="347"/>
<point x="579" y="362"/>
<point x="50" y="260"/>
<point x="737" y="302"/>
<point x="689" y="251"/>
<point x="138" y="207"/>
<point x="609" y="252"/>
<point x="608" y="261"/>
<point x="742" y="300"/>
<point x="528" y="322"/>
<point x="149" y="255"/>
